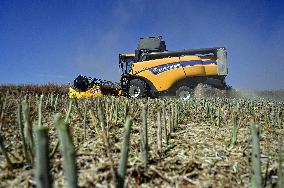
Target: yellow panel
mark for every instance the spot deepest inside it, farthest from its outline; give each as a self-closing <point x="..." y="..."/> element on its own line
<point x="200" y="70"/>
<point x="140" y="66"/>
<point x="164" y="80"/>
<point x="210" y="69"/>
<point x="196" y="70"/>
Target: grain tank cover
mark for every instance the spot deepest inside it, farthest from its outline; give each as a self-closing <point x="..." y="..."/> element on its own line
<point x="152" y="44"/>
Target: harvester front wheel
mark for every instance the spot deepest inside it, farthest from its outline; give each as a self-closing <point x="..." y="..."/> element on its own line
<point x="184" y="92"/>
<point x="137" y="88"/>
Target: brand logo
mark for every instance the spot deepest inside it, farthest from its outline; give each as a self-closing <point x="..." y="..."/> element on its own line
<point x="163" y="68"/>
<point x="96" y="91"/>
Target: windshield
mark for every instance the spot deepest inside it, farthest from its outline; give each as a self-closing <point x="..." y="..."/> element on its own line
<point x="125" y="64"/>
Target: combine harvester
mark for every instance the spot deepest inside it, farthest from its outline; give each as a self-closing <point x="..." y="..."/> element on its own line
<point x="153" y="72"/>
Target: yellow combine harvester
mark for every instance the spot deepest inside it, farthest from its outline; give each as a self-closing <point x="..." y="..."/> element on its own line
<point x="153" y="71"/>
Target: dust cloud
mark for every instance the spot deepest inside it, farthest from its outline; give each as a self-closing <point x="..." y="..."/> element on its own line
<point x="204" y="91"/>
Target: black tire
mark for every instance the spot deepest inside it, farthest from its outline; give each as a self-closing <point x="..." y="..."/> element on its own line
<point x="137" y="88"/>
<point x="184" y="92"/>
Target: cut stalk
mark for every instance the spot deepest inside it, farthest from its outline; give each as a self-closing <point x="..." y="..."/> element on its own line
<point x="124" y="153"/>
<point x="69" y="111"/>
<point x="40" y="111"/>
<point x="159" y="132"/>
<point x="3" y="103"/>
<point x="21" y="131"/>
<point x="116" y="113"/>
<point x="234" y="131"/>
<point x="94" y="120"/>
<point x="170" y="123"/>
<point x="28" y="131"/>
<point x="126" y="110"/>
<point x="256" y="180"/>
<point x="280" y="181"/>
<point x="172" y="126"/>
<point x="67" y="151"/>
<point x="144" y="136"/>
<point x="5" y="153"/>
<point x="42" y="171"/>
<point x="84" y="120"/>
<point x="55" y="103"/>
<point x="165" y="124"/>
<point x="106" y="141"/>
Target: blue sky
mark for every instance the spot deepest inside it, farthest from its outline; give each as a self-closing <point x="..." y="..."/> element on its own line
<point x="53" y="41"/>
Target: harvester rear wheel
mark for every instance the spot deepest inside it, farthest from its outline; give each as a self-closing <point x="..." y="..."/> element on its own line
<point x="184" y="92"/>
<point x="137" y="88"/>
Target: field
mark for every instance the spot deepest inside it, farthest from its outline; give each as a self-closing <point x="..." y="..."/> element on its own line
<point x="207" y="141"/>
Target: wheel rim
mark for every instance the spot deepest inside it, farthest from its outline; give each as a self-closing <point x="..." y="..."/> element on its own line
<point x="134" y="91"/>
<point x="185" y="95"/>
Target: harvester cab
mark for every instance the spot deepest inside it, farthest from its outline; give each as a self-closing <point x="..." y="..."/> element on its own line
<point x="125" y="63"/>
